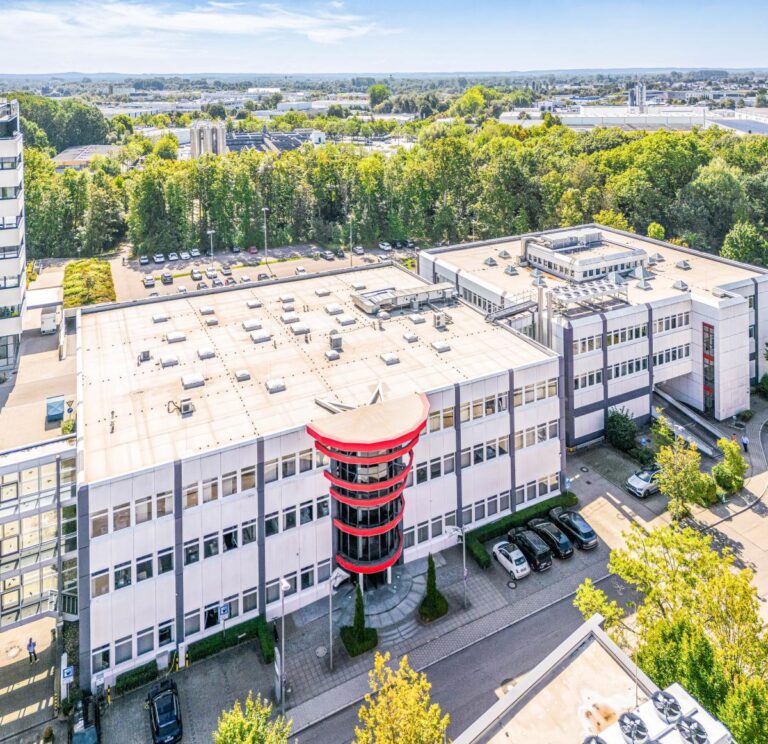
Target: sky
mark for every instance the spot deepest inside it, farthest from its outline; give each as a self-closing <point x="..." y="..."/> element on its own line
<point x="377" y="36"/>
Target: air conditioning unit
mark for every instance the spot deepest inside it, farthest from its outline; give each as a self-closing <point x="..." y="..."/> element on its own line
<point x="440" y="321"/>
<point x="144" y="355"/>
<point x="185" y="406"/>
<point x="336" y="341"/>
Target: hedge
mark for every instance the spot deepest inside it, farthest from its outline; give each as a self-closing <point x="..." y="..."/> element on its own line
<point x="500" y="527"/>
<point x="232" y="636"/>
<point x="87" y="282"/>
<point x="137" y="677"/>
<point x="355" y="647"/>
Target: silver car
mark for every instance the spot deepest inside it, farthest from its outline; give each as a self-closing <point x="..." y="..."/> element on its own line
<point x="511" y="559"/>
<point x="643" y="483"/>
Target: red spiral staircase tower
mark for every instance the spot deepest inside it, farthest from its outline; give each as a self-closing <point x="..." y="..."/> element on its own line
<point x="370" y="453"/>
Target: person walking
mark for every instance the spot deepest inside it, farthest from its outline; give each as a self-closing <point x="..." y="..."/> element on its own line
<point x="31" y="649"/>
<point x="745" y="442"/>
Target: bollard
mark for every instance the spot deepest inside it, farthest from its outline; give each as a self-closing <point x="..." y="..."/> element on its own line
<point x="109" y="695"/>
<point x="186" y="659"/>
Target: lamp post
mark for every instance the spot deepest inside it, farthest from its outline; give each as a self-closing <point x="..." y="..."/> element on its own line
<point x="459" y="532"/>
<point x="211" y="233"/>
<point x="284" y="587"/>
<point x="265" y="211"/>
<point x="337" y="577"/>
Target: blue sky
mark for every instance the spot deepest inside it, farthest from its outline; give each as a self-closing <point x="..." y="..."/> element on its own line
<point x="289" y="36"/>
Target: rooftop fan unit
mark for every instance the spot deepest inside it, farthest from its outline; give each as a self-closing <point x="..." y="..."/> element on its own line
<point x="185" y="406"/>
<point x="640" y="272"/>
<point x="666" y="706"/>
<point x="643" y="284"/>
<point x="504" y="254"/>
<point x="144" y="355"/>
<point x="691" y="731"/>
<point x="440" y="321"/>
<point x="657" y="257"/>
<point x="511" y="270"/>
<point x="684" y="265"/>
<point x="633" y="729"/>
<point x="681" y="285"/>
<point x="335" y="341"/>
<point x="490" y="261"/>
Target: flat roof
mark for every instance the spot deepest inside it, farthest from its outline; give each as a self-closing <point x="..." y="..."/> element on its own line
<point x="84" y="153"/>
<point x="129" y="418"/>
<point x="705" y="272"/>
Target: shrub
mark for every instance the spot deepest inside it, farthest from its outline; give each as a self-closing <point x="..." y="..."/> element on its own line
<point x="643" y="456"/>
<point x="266" y="642"/>
<point x="762" y="386"/>
<point x="232" y="636"/>
<point x="434" y="604"/>
<point x="137" y="677"/>
<point x="620" y="429"/>
<point x="87" y="282"/>
<point x="357" y="638"/>
<point x="48" y="733"/>
<point x="68" y="426"/>
<point x="746" y="415"/>
<point x="500" y="527"/>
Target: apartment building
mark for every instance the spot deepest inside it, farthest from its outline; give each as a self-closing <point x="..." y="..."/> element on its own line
<point x="12" y="249"/>
<point x="629" y="315"/>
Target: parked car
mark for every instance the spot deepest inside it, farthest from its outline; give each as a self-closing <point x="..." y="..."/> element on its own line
<point x="202" y="285"/>
<point x="194" y="252"/>
<point x="195" y="275"/>
<point x="642" y="483"/>
<point x="210" y="272"/>
<point x="173" y="256"/>
<point x="553" y="536"/>
<point x="262" y="277"/>
<point x="385" y="246"/>
<point x="230" y="281"/>
<point x="245" y="279"/>
<point x="410" y="244"/>
<point x="159" y="258"/>
<point x="575" y="526"/>
<point x="143" y="260"/>
<point x="184" y="255"/>
<point x="300" y="270"/>
<point x="399" y="244"/>
<point x="236" y="249"/>
<point x="154" y="294"/>
<point x="338" y="252"/>
<point x="166" y="277"/>
<point x="534" y="549"/>
<point x="217" y="283"/>
<point x="226" y="271"/>
<point x="149" y="282"/>
<point x="511" y="559"/>
<point x="85" y="722"/>
<point x="358" y="250"/>
<point x="327" y="255"/>
<point x="164" y="713"/>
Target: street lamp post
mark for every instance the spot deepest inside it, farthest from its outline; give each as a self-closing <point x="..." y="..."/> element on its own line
<point x="264" y="211"/>
<point x="459" y="532"/>
<point x="284" y="587"/>
<point x="337" y="577"/>
<point x="211" y="233"/>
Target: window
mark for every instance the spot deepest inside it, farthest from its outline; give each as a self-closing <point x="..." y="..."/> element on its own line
<point x="191" y="551"/>
<point x="493" y="505"/>
<point x="448" y="418"/>
<point x="437" y="527"/>
<point x="190" y="496"/>
<point x="271" y="524"/>
<point x="229" y="538"/>
<point x="123" y="650"/>
<point x="289" y="518"/>
<point x="210" y="546"/>
<point x="479" y="510"/>
<point x="249" y="531"/>
<point x="273" y="592"/>
<point x="306" y="510"/>
<point x="466" y="516"/>
<point x="233" y="603"/>
<point x="305" y="461"/>
<point x="121" y="517"/>
<point x="450" y="519"/>
<point x="502" y="402"/>
<point x="100" y="659"/>
<point x="145" y="641"/>
<point x="465" y="458"/>
<point x="122" y="575"/>
<point x="504" y="501"/>
<point x="531" y="490"/>
<point x="435" y="468"/>
<point x="520" y="495"/>
<point x="307" y="577"/>
<point x="490" y="449"/>
<point x="421" y="473"/>
<point x="143" y="509"/>
<point x="477" y="408"/>
<point x="164" y="504"/>
<point x="270" y="471"/>
<point x="490" y="405"/>
<point x="517" y="398"/>
<point x="322" y="507"/>
<point x="503" y="445"/>
<point x="478" y="454"/>
<point x="529" y="393"/>
<point x="99" y="583"/>
<point x="191" y="623"/>
<point x="99" y="524"/>
<point x="423" y="532"/>
<point x="143" y="568"/>
<point x="165" y="633"/>
<point x="211" y="615"/>
<point x="248" y="478"/>
<point x="408" y="538"/>
<point x="323" y="571"/>
<point x="288" y="466"/>
<point x="291" y="579"/>
<point x="228" y="484"/>
<point x="165" y="561"/>
<point x="251" y="599"/>
<point x="210" y="490"/>
<point x="464" y="412"/>
<point x="448" y="464"/>
<point x="434" y="421"/>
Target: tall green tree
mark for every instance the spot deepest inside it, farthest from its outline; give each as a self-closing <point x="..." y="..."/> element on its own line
<point x="252" y="725"/>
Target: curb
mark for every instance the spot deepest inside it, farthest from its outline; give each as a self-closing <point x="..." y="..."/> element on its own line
<point x="358" y="698"/>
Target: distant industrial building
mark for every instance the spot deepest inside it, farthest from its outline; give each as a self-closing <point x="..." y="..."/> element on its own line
<point x="81" y="157"/>
<point x="636" y="96"/>
<point x="208" y="137"/>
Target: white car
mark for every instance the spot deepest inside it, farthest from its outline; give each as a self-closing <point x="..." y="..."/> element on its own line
<point x="385" y="246"/>
<point x="300" y="270"/>
<point x="210" y="272"/>
<point x="184" y="256"/>
<point x="173" y="256"/>
<point x="181" y="289"/>
<point x="194" y="252"/>
<point x="511" y="559"/>
<point x="358" y="250"/>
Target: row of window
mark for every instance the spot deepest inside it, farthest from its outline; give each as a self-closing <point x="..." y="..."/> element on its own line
<point x="671" y="355"/>
<point x="588" y="379"/>
<point x="9" y="282"/>
<point x="628" y="367"/>
<point x="469" y="411"/>
<point x="588" y="343"/>
<point x="146" y="642"/>
<point x="671" y="322"/>
<point x="130" y="572"/>
<point x="305" y="513"/>
<point x="475" y="299"/>
<point x="35" y="480"/>
<point x="129" y="514"/>
<point x="536" y="434"/>
<point x="535" y="392"/>
<point x="624" y="335"/>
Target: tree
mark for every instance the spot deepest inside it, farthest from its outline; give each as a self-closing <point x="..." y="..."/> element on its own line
<point x="729" y="474"/>
<point x="377" y="94"/>
<point x="680" y="478"/>
<point x="745" y="710"/>
<point x="656" y="231"/>
<point x="252" y="725"/>
<point x="358" y="638"/>
<point x="744" y="242"/>
<point x="617" y="220"/>
<point x="620" y="429"/>
<point x="434" y="604"/>
<point x="167" y="147"/>
<point x="398" y="709"/>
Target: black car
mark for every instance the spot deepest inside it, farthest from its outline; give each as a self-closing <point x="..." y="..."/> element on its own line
<point x="164" y="713"/>
<point x="262" y="277"/>
<point x="202" y="285"/>
<point x="85" y="723"/>
<point x="166" y="277"/>
<point x="535" y="550"/>
<point x="553" y="536"/>
<point x="575" y="526"/>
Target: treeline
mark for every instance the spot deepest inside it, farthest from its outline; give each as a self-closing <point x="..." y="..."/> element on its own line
<point x="453" y="184"/>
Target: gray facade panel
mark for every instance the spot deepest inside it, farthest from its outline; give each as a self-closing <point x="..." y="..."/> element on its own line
<point x="260" y="522"/>
<point x="512" y="453"/>
<point x="178" y="552"/>
<point x="568" y="384"/>
<point x="84" y="586"/>
<point x="457" y="451"/>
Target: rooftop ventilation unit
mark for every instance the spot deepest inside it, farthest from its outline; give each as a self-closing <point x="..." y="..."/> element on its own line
<point x="490" y="261"/>
<point x="300" y="329"/>
<point x="185" y="407"/>
<point x="718" y="292"/>
<point x="251" y="325"/>
<point x="657" y="257"/>
<point x="260" y="337"/>
<point x="666" y="706"/>
<point x="681" y="285"/>
<point x="211" y="321"/>
<point x="511" y="271"/>
<point x="253" y="304"/>
<point x="144" y="356"/>
<point x="684" y="265"/>
<point x="289" y="318"/>
<point x="691" y="731"/>
<point x="168" y="361"/>
<point x="634" y="729"/>
<point x="175" y="337"/>
<point x="332" y="355"/>
<point x="441" y="346"/>
<point x="206" y="353"/>
<point x="389" y="358"/>
<point x="383" y="315"/>
<point x="345" y="320"/>
<point x="651" y="261"/>
<point x="242" y="375"/>
<point x="289" y="307"/>
<point x="335" y="341"/>
<point x="416" y="319"/>
<point x="357" y="286"/>
<point x="410" y="337"/>
<point x="207" y="311"/>
<point x="539" y="281"/>
<point x="275" y="385"/>
<point x="160" y="317"/>
<point x="322" y="292"/>
<point x="643" y="284"/>
<point x="504" y="254"/>
<point x="440" y="321"/>
<point x="192" y="380"/>
<point x="616" y="278"/>
<point x="334" y="309"/>
<point x="640" y="272"/>
<point x="286" y="298"/>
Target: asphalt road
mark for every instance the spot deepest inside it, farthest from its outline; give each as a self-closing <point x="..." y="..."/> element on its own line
<point x="466" y="683"/>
